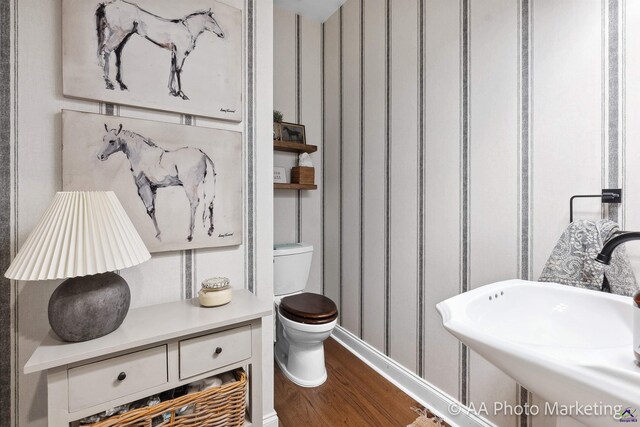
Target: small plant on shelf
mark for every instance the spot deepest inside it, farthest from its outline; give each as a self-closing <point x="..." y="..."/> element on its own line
<point x="277" y="116"/>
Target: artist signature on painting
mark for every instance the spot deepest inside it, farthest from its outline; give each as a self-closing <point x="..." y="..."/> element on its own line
<point x="227" y="110"/>
<point x="225" y="235"/>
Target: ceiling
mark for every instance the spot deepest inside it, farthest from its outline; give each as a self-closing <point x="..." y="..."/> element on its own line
<point x="317" y="10"/>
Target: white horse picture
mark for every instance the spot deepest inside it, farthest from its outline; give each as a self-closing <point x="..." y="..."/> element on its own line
<point x="118" y="20"/>
<point x="153" y="168"/>
<point x="184" y="56"/>
<point x="181" y="185"/>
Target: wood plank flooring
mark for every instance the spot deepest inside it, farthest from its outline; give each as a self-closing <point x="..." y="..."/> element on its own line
<point x="353" y="395"/>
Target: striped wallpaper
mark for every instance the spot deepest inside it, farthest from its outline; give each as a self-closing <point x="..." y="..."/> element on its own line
<point x="454" y="134"/>
<point x="297" y="87"/>
<point x="6" y="348"/>
<point x="30" y="159"/>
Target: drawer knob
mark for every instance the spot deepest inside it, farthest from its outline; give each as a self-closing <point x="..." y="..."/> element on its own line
<point x="218" y="350"/>
<point x="122" y="376"/>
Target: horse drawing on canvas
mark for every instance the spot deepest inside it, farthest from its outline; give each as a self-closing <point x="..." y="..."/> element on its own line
<point x="154" y="167"/>
<point x="118" y="20"/>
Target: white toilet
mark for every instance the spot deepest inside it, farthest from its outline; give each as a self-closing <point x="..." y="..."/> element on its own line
<point x="304" y="320"/>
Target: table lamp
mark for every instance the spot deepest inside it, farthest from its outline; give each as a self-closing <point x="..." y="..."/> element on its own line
<point x="82" y="237"/>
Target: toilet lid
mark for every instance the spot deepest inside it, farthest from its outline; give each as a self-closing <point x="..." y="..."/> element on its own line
<point x="309" y="308"/>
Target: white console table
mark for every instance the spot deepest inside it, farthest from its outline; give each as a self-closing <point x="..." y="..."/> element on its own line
<point x="157" y="348"/>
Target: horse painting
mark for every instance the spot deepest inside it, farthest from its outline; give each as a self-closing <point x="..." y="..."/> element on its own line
<point x="118" y="20"/>
<point x="154" y="167"/>
<point x="293" y="135"/>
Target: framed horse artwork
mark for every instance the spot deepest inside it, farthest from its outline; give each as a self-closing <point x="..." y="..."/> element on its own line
<point x="180" y="185"/>
<point x="184" y="56"/>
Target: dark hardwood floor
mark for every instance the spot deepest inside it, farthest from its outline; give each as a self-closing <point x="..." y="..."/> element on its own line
<point x="353" y="395"/>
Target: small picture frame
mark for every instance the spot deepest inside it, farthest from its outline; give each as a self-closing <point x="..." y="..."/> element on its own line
<point x="292" y="132"/>
<point x="279" y="175"/>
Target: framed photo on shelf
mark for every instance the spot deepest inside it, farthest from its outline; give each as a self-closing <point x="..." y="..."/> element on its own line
<point x="292" y="132"/>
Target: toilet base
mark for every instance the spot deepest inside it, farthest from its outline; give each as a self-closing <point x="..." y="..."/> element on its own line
<point x="281" y="360"/>
<point x="299" y="350"/>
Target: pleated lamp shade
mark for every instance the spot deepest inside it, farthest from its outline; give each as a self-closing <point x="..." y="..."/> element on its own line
<point x="80" y="234"/>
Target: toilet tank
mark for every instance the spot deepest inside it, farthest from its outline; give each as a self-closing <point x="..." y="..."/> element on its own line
<point x="291" y="266"/>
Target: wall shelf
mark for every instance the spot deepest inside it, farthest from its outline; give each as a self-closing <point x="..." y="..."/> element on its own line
<point x="294" y="147"/>
<point x="279" y="186"/>
<point x="298" y="148"/>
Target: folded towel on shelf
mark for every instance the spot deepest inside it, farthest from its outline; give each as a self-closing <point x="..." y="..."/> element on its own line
<point x="572" y="261"/>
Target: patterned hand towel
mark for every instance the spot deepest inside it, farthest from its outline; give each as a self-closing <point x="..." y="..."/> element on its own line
<point x="572" y="261"/>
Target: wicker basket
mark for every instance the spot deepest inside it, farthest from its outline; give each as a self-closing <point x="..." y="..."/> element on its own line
<point x="216" y="407"/>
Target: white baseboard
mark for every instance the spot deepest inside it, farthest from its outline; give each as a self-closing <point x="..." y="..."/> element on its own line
<point x="426" y="394"/>
<point x="270" y="420"/>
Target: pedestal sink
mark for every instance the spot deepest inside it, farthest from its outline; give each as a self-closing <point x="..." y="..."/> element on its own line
<point x="570" y="346"/>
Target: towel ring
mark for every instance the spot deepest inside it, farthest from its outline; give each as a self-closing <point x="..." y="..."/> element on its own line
<point x="609" y="195"/>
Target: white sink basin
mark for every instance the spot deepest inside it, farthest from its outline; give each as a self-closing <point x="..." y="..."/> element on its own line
<point x="567" y="345"/>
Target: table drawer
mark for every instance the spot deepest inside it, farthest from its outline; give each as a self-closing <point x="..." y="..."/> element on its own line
<point x="99" y="382"/>
<point x="209" y="352"/>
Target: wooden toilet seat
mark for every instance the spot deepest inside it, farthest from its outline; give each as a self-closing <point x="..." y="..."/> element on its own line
<point x="309" y="308"/>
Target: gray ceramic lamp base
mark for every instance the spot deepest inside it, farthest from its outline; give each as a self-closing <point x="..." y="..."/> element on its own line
<point x="88" y="307"/>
